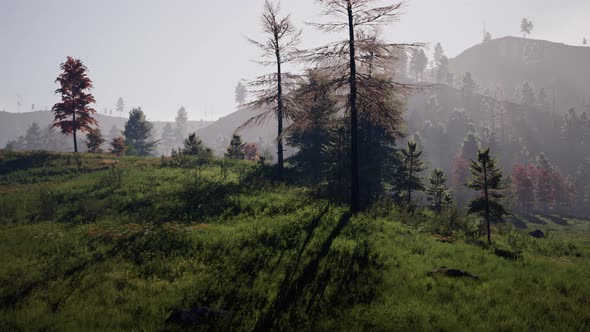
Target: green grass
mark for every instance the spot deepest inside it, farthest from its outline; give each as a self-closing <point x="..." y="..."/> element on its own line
<point x="88" y="246"/>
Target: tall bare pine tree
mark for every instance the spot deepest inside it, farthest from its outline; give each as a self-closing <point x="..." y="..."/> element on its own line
<point x="357" y="63"/>
<point x="278" y="49"/>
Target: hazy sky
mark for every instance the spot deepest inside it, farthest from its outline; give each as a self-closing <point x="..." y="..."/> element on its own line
<point x="164" y="54"/>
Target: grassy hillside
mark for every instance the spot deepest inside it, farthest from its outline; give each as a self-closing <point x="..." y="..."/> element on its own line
<point x="91" y="242"/>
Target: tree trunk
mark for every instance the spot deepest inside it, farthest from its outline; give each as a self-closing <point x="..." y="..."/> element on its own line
<point x="354" y="190"/>
<point x="75" y="140"/>
<point x="279" y="112"/>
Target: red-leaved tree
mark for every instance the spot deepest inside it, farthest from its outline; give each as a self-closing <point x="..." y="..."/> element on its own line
<point x="73" y="113"/>
<point x="522" y="188"/>
<point x="251" y="151"/>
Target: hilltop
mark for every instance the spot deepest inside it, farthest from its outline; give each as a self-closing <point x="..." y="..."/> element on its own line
<point x="509" y="61"/>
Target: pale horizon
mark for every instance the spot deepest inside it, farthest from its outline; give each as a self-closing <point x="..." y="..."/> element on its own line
<point x="161" y="56"/>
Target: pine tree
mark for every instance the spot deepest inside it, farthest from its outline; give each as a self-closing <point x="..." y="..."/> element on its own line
<point x="361" y="62"/>
<point x="32" y="139"/>
<point x="439" y="53"/>
<point x="181" y="125"/>
<point x="486" y="181"/>
<point x="235" y="150"/>
<point x="73" y="113"/>
<point x="118" y="146"/>
<point x="418" y="63"/>
<point x="277" y="50"/>
<point x="240" y="92"/>
<point x="526" y="27"/>
<point x="337" y="161"/>
<point x="437" y="190"/>
<point x="138" y="134"/>
<point x="193" y="146"/>
<point x="470" y="146"/>
<point x="94" y="140"/>
<point x="411" y="168"/>
<point x="309" y="133"/>
<point x="448" y="199"/>
<point x="120" y="106"/>
<point x="168" y="139"/>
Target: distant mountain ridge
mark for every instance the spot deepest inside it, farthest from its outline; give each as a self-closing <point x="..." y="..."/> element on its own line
<point x="13" y="125"/>
<point x="505" y="62"/>
<point x="509" y="61"/>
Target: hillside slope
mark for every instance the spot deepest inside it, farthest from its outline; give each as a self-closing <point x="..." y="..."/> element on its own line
<point x="136" y="242"/>
<point x="510" y="61"/>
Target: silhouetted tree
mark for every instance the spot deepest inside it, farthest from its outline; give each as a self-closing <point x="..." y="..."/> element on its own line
<point x="437" y="189"/>
<point x="235" y="150"/>
<point x="94" y="140"/>
<point x="73" y="113"/>
<point x="118" y="146"/>
<point x="32" y="139"/>
<point x="240" y="92"/>
<point x="487" y="37"/>
<point x="181" y="124"/>
<point x="411" y="168"/>
<point x="337" y="158"/>
<point x="138" y="134"/>
<point x="418" y="62"/>
<point x="486" y="181"/>
<point x="168" y="139"/>
<point x="470" y="146"/>
<point x="584" y="41"/>
<point x="316" y="107"/>
<point x="438" y="54"/>
<point x="526" y="27"/>
<point x="193" y="146"/>
<point x="360" y="60"/>
<point x="120" y="106"/>
<point x="277" y="50"/>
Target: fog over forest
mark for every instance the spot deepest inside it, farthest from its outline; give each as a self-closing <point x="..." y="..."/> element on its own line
<point x="299" y="165"/>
